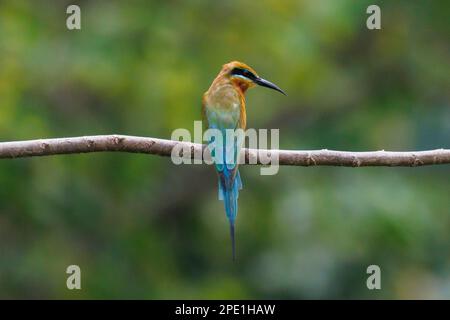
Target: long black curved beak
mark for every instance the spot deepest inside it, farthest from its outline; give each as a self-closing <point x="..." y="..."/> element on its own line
<point x="264" y="83"/>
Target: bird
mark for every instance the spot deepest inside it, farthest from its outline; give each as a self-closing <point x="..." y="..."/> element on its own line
<point x="223" y="108"/>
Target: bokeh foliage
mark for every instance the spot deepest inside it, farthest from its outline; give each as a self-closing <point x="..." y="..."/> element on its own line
<point x="141" y="227"/>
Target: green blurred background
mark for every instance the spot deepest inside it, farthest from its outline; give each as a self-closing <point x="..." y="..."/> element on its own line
<point x="141" y="227"/>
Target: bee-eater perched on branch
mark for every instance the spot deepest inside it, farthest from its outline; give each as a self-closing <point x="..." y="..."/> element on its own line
<point x="224" y="109"/>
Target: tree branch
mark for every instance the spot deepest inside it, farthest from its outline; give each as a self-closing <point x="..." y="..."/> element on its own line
<point x="161" y="147"/>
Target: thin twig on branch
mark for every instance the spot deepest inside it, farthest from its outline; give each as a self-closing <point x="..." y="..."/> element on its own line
<point x="161" y="147"/>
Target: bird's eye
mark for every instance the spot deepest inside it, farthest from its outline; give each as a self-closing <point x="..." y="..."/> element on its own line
<point x="243" y="72"/>
<point x="247" y="73"/>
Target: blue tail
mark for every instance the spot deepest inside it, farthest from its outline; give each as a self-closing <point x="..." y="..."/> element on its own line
<point x="229" y="187"/>
<point x="226" y="157"/>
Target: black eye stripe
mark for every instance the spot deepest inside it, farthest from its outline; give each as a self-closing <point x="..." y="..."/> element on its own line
<point x="243" y="72"/>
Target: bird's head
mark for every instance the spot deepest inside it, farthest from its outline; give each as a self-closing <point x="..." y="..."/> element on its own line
<point x="244" y="77"/>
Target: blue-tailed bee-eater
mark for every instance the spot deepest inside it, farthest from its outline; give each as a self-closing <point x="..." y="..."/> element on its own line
<point x="224" y="109"/>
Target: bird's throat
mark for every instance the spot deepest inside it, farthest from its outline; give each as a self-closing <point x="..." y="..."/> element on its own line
<point x="240" y="85"/>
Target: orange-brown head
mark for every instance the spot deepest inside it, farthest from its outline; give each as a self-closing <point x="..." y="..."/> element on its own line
<point x="244" y="77"/>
